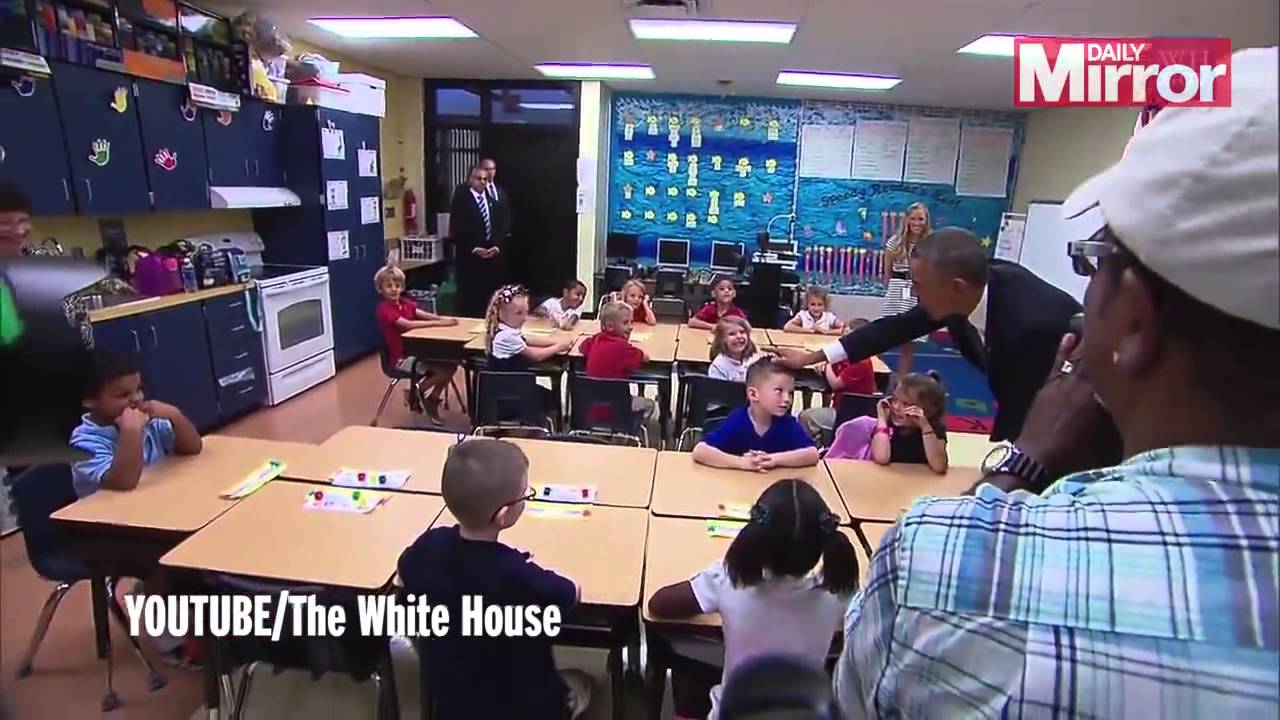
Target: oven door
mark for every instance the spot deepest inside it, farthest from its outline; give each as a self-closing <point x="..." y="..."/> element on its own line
<point x="297" y="323"/>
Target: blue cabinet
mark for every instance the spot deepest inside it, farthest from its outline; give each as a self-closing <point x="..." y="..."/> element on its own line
<point x="100" y="120"/>
<point x="120" y="336"/>
<point x="225" y="146"/>
<point x="173" y="147"/>
<point x="262" y="133"/>
<point x="175" y="362"/>
<point x="235" y="347"/>
<point x="32" y="154"/>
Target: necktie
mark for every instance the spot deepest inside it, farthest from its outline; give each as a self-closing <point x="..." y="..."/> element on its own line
<point x="484" y="213"/>
<point x="493" y="193"/>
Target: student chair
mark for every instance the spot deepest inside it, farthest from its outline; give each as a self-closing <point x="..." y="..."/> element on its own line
<point x="670" y="309"/>
<point x="602" y="408"/>
<point x="855" y="405"/>
<point x="395" y="375"/>
<point x="37" y="493"/>
<point x="710" y="402"/>
<point x="361" y="657"/>
<point x="668" y="282"/>
<point x="510" y="399"/>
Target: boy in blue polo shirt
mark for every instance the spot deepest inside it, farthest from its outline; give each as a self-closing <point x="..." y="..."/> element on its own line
<point x="763" y="435"/>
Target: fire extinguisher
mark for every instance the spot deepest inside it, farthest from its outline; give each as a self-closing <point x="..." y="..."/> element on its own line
<point x="410" y="211"/>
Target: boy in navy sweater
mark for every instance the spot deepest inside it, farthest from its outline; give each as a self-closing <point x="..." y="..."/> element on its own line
<point x="763" y="435"/>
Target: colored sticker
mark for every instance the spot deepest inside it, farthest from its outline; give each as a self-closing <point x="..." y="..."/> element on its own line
<point x="254" y="480"/>
<point x="268" y="121"/>
<point x="724" y="529"/>
<point x="120" y="99"/>
<point x="188" y="111"/>
<point x="340" y="499"/>
<point x="367" y="478"/>
<point x="566" y="493"/>
<point x="734" y="511"/>
<point x="224" y="117"/>
<point x="166" y="159"/>
<point x="101" y="152"/>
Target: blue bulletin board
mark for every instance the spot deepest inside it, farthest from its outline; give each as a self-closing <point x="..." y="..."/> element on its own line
<point x="747" y="157"/>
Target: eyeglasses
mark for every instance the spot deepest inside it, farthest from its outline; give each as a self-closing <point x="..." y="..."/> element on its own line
<point x="528" y="495"/>
<point x="1084" y="252"/>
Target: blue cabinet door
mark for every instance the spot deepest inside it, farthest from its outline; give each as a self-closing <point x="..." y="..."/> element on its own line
<point x="100" y="119"/>
<point x="32" y="154"/>
<point x="263" y="124"/>
<point x="226" y="147"/>
<point x="119" y="335"/>
<point x="346" y="285"/>
<point x="176" y="365"/>
<point x="173" y="147"/>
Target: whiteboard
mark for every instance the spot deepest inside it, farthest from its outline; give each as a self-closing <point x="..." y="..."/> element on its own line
<point x="1044" y="244"/>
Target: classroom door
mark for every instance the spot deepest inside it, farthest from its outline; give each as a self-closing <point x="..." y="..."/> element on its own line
<point x="537" y="169"/>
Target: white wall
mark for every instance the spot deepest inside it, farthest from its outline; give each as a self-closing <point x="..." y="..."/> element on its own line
<point x="1066" y="146"/>
<point x="593" y="142"/>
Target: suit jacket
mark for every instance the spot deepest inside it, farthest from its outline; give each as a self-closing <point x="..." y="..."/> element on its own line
<point x="502" y="213"/>
<point x="466" y="225"/>
<point x="1026" y="319"/>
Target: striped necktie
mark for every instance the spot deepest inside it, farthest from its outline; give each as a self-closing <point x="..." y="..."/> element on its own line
<point x="493" y="192"/>
<point x="484" y="213"/>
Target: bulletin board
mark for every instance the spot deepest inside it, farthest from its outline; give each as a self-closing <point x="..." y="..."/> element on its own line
<point x="748" y="156"/>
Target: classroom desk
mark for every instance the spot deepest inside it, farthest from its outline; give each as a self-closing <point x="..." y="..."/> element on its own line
<point x="271" y="535"/>
<point x="684" y="488"/>
<point x="812" y="342"/>
<point x="881" y="493"/>
<point x="679" y="548"/>
<point x="582" y="327"/>
<point x="968" y="449"/>
<point x="658" y="341"/>
<point x="623" y="476"/>
<point x="693" y="336"/>
<point x="460" y="333"/>
<point x="358" y="446"/>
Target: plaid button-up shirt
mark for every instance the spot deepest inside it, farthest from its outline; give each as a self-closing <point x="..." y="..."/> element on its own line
<point x="1144" y="590"/>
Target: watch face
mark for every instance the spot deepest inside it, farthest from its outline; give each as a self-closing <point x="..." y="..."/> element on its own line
<point x="998" y="455"/>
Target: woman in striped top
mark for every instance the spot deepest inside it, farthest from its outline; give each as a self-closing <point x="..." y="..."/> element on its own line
<point x="898" y="296"/>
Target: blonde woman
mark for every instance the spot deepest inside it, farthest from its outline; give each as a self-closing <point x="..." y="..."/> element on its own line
<point x="898" y="296"/>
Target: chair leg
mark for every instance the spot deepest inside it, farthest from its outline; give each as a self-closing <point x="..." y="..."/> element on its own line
<point x="242" y="695"/>
<point x="102" y="637"/>
<point x="42" y="627"/>
<point x="155" y="680"/>
<point x="385" y="397"/>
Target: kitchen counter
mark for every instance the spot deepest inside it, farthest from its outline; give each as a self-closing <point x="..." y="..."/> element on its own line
<point x="149" y="304"/>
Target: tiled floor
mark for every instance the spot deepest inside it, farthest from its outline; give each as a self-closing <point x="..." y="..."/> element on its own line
<point x="68" y="678"/>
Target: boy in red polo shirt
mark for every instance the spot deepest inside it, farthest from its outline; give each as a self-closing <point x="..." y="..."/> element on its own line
<point x="395" y="315"/>
<point x="611" y="356"/>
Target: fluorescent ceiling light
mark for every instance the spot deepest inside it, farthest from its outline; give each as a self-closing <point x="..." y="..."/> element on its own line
<point x="394" y="27"/>
<point x="714" y="30"/>
<point x="837" y="81"/>
<point x="990" y="45"/>
<point x="595" y="71"/>
<point x="546" y="106"/>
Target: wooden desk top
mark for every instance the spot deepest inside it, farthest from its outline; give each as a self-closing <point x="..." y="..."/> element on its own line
<point x="623" y="476"/>
<point x="460" y="333"/>
<point x="582" y="327"/>
<point x="679" y="548"/>
<point x="476" y="343"/>
<point x="684" y="488"/>
<point x="361" y="447"/>
<point x="968" y="449"/>
<point x="658" y="342"/>
<point x="603" y="553"/>
<point x="270" y="534"/>
<point x="694" y="345"/>
<point x="812" y="342"/>
<point x="180" y="493"/>
<point x="881" y="493"/>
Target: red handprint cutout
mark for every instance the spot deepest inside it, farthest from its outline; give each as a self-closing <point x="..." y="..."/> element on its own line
<point x="167" y="160"/>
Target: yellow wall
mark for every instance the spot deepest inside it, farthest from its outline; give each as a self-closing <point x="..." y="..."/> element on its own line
<point x="593" y="144"/>
<point x="1066" y="146"/>
<point x="149" y="229"/>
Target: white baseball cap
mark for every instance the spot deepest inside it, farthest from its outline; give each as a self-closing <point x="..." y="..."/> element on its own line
<point x="1196" y="197"/>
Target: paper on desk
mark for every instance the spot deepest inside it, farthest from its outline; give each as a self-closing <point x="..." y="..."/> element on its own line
<point x="736" y="511"/>
<point x="254" y="480"/>
<point x="558" y="511"/>
<point x="640" y="336"/>
<point x="380" y="479"/>
<point x="724" y="528"/>
<point x="335" y="499"/>
<point x="566" y="493"/>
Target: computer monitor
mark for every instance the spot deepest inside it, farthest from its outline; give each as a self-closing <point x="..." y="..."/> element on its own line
<point x="673" y="252"/>
<point x="726" y="256"/>
<point x="622" y="245"/>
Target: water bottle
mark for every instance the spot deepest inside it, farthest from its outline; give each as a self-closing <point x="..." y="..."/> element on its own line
<point x="188" y="270"/>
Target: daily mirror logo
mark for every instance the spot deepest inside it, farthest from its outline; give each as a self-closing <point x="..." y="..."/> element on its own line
<point x="1121" y="72"/>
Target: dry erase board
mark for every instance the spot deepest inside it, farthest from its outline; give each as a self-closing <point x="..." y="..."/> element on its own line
<point x="1044" y="244"/>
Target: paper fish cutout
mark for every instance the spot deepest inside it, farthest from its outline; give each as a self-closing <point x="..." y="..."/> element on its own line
<point x="650" y="191"/>
<point x="626" y="214"/>
<point x="739" y="199"/>
<point x="649" y="215"/>
<point x="628" y="158"/>
<point x="672" y="216"/>
<point x="771" y="166"/>
<point x="691" y="220"/>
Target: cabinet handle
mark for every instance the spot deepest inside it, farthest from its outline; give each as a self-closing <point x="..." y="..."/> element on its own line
<point x="247" y="390"/>
<point x="256" y="169"/>
<point x="155" y="341"/>
<point x="89" y="187"/>
<point x="238" y="303"/>
<point x="66" y="190"/>
<point x="241" y="356"/>
<point x="246" y="166"/>
<point x="237" y="328"/>
<point x="137" y="346"/>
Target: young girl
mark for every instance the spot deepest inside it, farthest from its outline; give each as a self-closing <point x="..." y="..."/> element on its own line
<point x="635" y="296"/>
<point x="732" y="350"/>
<point x="507" y="347"/>
<point x="898" y="297"/>
<point x="722" y="294"/>
<point x="909" y="427"/>
<point x="769" y="599"/>
<point x="565" y="310"/>
<point x="396" y="314"/>
<point x="815" y="318"/>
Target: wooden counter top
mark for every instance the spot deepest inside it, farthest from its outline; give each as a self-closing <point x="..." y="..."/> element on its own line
<point x="161" y="302"/>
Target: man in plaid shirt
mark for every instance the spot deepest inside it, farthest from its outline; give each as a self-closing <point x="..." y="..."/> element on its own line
<point x="1147" y="589"/>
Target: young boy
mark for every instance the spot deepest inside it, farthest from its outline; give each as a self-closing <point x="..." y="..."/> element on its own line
<point x="763" y="435"/>
<point x="842" y="377"/>
<point x="395" y="315"/>
<point x="610" y="355"/>
<point x="485" y="486"/>
<point x="122" y="431"/>
<point x="566" y="310"/>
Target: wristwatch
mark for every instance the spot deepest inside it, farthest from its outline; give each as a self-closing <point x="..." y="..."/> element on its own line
<point x="1009" y="460"/>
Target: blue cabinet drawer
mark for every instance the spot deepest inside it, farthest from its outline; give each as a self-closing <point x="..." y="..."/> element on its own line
<point x="227" y="311"/>
<point x="232" y="352"/>
<point x="237" y="397"/>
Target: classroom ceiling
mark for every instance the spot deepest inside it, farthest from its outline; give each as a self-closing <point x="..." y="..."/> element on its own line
<point x="913" y="39"/>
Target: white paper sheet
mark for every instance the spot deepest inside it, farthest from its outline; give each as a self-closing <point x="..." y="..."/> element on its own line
<point x="339" y="244"/>
<point x="932" y="145"/>
<point x="878" y="147"/>
<point x="826" y="151"/>
<point x="333" y="144"/>
<point x="586" y="196"/>
<point x="1009" y="241"/>
<point x="335" y="194"/>
<point x="984" y="161"/>
<point x="367" y="162"/>
<point x="370" y="211"/>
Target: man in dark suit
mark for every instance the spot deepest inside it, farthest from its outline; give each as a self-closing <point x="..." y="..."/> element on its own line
<point x="474" y="228"/>
<point x="1026" y="319"/>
